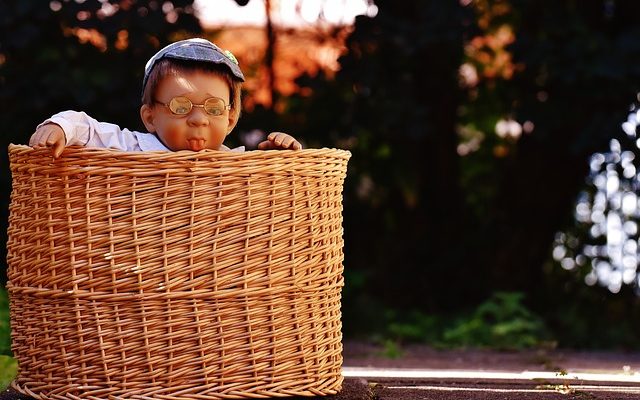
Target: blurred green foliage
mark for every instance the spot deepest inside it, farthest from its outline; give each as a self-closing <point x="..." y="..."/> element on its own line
<point x="5" y="328"/>
<point x="426" y="228"/>
<point x="8" y="371"/>
<point x="8" y="366"/>
<point x="500" y="322"/>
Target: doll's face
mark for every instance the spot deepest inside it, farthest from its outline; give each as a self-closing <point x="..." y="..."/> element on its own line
<point x="203" y="127"/>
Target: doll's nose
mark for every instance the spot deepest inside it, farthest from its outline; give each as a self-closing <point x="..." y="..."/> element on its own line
<point x="197" y="117"/>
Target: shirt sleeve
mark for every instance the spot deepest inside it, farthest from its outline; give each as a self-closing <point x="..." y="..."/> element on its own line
<point x="80" y="129"/>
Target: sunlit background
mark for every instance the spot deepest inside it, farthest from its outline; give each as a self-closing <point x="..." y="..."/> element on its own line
<point x="492" y="196"/>
<point x="290" y="13"/>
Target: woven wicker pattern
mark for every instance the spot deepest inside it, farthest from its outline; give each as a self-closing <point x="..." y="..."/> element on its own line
<point x="211" y="275"/>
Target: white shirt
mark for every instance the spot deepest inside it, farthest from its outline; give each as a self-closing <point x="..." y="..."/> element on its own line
<point x="82" y="130"/>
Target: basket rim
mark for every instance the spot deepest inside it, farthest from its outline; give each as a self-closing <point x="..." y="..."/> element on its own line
<point x="186" y="155"/>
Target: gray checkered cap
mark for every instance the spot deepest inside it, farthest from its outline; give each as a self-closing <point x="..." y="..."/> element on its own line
<point x="195" y="49"/>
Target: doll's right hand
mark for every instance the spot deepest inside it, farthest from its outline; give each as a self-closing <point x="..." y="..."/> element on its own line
<point x="49" y="135"/>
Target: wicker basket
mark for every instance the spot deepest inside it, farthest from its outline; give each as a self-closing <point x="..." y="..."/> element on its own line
<point x="210" y="275"/>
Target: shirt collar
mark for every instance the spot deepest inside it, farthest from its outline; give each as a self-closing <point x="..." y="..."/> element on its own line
<point x="150" y="142"/>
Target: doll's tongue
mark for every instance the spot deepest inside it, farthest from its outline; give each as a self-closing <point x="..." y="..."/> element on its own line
<point x="196" y="144"/>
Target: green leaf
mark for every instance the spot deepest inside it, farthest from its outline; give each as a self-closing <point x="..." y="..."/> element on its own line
<point x="8" y="371"/>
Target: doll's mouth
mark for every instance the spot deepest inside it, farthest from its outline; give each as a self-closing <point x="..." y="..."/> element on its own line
<point x="196" y="144"/>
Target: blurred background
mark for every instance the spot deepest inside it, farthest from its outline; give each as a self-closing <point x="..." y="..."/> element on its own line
<point x="491" y="199"/>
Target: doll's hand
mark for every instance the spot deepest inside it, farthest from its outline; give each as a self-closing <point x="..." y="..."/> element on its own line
<point x="279" y="140"/>
<point x="49" y="135"/>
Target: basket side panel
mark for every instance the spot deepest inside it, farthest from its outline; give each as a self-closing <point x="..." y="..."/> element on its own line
<point x="177" y="280"/>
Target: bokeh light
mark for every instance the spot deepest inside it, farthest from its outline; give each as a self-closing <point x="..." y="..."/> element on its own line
<point x="605" y="239"/>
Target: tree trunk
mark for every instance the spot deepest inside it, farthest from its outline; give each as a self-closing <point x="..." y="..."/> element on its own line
<point x="270" y="55"/>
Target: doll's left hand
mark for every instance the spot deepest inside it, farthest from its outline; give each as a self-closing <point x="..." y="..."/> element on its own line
<point x="279" y="140"/>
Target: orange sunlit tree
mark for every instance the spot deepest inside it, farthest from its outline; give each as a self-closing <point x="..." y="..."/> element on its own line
<point x="87" y="55"/>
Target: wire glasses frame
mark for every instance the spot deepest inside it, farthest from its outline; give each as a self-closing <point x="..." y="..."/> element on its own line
<point x="181" y="105"/>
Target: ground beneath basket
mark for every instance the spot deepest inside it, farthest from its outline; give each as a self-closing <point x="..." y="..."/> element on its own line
<point x="426" y="373"/>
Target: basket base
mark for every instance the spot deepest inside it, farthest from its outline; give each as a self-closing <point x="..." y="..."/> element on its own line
<point x="329" y="389"/>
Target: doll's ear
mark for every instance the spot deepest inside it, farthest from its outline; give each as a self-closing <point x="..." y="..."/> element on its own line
<point x="147" y="115"/>
<point x="233" y="120"/>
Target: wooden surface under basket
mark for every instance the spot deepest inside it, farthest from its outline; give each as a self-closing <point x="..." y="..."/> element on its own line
<point x="209" y="275"/>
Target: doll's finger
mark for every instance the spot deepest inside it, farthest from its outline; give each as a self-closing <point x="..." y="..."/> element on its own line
<point x="287" y="142"/>
<point x="290" y="142"/>
<point x="277" y="137"/>
<point x="56" y="151"/>
<point x="266" y="145"/>
<point x="56" y="148"/>
<point x="44" y="133"/>
<point x="55" y="141"/>
<point x="42" y="140"/>
<point x="278" y="140"/>
<point x="37" y="139"/>
<point x="54" y="138"/>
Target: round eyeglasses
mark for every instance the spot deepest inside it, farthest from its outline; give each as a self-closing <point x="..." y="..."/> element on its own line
<point x="182" y="105"/>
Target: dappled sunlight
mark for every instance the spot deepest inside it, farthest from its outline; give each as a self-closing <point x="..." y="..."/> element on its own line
<point x="607" y="211"/>
<point x="288" y="13"/>
<point x="495" y="374"/>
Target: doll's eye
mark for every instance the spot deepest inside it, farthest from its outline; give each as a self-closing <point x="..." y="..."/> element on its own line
<point x="180" y="105"/>
<point x="214" y="111"/>
<point x="214" y="106"/>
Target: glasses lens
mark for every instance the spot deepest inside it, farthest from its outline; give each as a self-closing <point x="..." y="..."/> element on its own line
<point x="214" y="106"/>
<point x="180" y="105"/>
